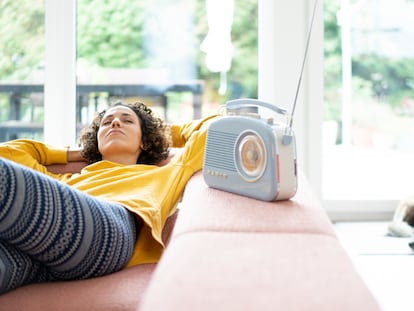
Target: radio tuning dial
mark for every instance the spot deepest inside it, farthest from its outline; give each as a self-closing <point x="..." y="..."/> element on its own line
<point x="250" y="156"/>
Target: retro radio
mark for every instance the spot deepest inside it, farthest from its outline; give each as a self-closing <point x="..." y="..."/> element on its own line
<point x="250" y="155"/>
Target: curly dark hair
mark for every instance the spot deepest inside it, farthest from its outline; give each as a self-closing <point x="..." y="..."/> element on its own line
<point x="155" y="135"/>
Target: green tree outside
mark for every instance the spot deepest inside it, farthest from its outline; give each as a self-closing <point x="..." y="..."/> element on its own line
<point x="110" y="34"/>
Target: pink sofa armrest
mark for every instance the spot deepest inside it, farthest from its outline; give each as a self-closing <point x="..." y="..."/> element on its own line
<point x="230" y="252"/>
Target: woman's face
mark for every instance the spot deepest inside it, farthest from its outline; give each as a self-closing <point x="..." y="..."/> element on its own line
<point x="120" y="135"/>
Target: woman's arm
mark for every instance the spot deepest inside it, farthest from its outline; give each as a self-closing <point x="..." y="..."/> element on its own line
<point x="191" y="136"/>
<point x="28" y="152"/>
<point x="36" y="155"/>
<point x="180" y="134"/>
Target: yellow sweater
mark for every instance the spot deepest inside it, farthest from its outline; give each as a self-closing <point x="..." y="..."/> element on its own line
<point x="149" y="191"/>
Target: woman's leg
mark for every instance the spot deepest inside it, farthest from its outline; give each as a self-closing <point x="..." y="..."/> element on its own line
<point x="18" y="269"/>
<point x="74" y="236"/>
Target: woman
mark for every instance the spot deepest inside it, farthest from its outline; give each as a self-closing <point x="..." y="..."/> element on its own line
<point x="109" y="216"/>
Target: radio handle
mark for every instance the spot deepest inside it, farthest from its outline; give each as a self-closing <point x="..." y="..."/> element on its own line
<point x="238" y="103"/>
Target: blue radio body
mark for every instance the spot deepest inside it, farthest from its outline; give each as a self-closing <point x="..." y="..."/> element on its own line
<point x="251" y="156"/>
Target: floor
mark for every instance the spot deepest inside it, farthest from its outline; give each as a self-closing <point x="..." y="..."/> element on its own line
<point x="385" y="263"/>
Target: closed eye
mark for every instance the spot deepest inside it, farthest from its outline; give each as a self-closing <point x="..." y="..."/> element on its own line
<point x="125" y="118"/>
<point x="106" y="122"/>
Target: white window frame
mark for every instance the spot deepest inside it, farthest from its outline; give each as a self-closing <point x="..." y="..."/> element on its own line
<point x="283" y="29"/>
<point x="60" y="72"/>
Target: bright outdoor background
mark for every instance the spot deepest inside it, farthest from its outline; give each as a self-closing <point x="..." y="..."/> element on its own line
<point x="131" y="42"/>
<point x="368" y="128"/>
<point x="369" y="99"/>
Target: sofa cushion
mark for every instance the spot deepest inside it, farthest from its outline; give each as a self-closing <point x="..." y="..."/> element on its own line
<point x="70" y="167"/>
<point x="118" y="291"/>
<point x="76" y="166"/>
<point x="256" y="271"/>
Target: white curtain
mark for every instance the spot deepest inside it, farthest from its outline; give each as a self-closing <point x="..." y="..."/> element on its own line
<point x="217" y="44"/>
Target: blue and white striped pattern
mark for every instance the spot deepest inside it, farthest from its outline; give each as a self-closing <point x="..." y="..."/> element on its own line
<point x="50" y="231"/>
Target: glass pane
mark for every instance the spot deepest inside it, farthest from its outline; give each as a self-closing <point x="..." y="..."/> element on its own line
<point x="21" y="69"/>
<point x="150" y="51"/>
<point x="369" y="99"/>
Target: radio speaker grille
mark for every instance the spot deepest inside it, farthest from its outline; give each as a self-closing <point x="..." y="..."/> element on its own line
<point x="220" y="150"/>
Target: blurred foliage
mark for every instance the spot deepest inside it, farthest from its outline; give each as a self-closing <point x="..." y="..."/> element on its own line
<point x="332" y="62"/>
<point x="21" y="38"/>
<point x="111" y="33"/>
<point x="386" y="80"/>
<point x="390" y="80"/>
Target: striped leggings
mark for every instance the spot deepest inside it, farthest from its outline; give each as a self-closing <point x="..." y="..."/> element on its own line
<point x="50" y="231"/>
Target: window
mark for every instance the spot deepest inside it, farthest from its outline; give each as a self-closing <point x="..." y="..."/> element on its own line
<point x="360" y="170"/>
<point x="90" y="52"/>
<point x="21" y="69"/>
<point x="368" y="127"/>
<point x="155" y="51"/>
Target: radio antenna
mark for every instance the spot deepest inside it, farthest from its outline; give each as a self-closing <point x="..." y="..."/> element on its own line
<point x="303" y="63"/>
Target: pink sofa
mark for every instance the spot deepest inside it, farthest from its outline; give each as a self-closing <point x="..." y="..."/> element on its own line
<point x="225" y="252"/>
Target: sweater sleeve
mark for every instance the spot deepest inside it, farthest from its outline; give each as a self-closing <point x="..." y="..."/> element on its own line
<point x="191" y="136"/>
<point x="33" y="154"/>
<point x="181" y="133"/>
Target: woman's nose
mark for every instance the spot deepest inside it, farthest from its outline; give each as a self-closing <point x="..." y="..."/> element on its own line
<point x="116" y="122"/>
